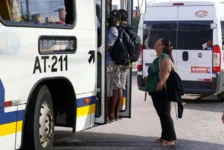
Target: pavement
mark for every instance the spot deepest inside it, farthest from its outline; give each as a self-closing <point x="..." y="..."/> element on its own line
<point x="200" y="129"/>
<point x="134" y="72"/>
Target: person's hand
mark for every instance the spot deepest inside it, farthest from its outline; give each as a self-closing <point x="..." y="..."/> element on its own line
<point x="159" y="87"/>
<point x="223" y="118"/>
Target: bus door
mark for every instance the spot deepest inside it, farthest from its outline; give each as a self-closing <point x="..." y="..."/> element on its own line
<point x="125" y="110"/>
<point x="103" y="8"/>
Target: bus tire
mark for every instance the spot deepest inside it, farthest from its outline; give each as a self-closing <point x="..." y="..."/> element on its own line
<point x="41" y="121"/>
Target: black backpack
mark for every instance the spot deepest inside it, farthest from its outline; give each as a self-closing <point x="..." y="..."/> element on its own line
<point x="125" y="49"/>
<point x="118" y="51"/>
<point x="134" y="43"/>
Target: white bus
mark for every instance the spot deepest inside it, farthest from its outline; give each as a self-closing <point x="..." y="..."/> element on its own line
<point x="49" y="66"/>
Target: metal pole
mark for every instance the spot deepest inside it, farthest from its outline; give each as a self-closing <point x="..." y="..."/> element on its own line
<point x="22" y="10"/>
<point x="138" y="8"/>
<point x="130" y="11"/>
<point x="28" y="10"/>
<point x="129" y="78"/>
<point x="122" y="4"/>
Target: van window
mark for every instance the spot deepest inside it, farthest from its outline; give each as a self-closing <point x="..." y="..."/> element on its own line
<point x="222" y="27"/>
<point x="158" y="29"/>
<point x="194" y="35"/>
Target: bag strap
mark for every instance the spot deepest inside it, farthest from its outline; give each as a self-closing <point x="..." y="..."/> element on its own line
<point x="174" y="68"/>
<point x="145" y="95"/>
<point x="159" y="67"/>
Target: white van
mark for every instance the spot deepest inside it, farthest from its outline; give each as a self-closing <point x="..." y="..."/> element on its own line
<point x="196" y="29"/>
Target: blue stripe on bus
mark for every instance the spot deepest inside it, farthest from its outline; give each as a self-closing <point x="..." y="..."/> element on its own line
<point x="2" y="94"/>
<point x="81" y="102"/>
<point x="8" y="117"/>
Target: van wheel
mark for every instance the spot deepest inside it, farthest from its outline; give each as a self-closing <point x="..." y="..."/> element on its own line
<point x="221" y="96"/>
<point x="40" y="121"/>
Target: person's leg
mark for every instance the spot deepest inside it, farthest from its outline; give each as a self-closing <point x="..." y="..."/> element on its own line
<point x="113" y="104"/>
<point x="167" y="122"/>
<point x="115" y="93"/>
<point x="109" y="93"/>
<point x="124" y="70"/>
<point x="109" y="84"/>
<point x="156" y="99"/>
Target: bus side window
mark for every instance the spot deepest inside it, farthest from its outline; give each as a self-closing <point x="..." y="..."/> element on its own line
<point x="5" y="13"/>
<point x="69" y="9"/>
<point x="40" y="12"/>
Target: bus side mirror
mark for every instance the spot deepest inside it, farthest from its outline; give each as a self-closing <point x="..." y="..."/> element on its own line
<point x="143" y="7"/>
<point x="213" y="26"/>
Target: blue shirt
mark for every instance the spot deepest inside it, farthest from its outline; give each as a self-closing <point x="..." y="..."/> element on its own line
<point x="111" y="38"/>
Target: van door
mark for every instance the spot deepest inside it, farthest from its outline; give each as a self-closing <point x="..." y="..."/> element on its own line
<point x="158" y="25"/>
<point x="194" y="48"/>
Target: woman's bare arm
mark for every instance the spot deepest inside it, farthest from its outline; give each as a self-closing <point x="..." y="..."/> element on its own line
<point x="165" y="66"/>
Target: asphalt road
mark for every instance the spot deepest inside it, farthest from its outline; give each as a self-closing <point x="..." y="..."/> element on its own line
<point x="200" y="129"/>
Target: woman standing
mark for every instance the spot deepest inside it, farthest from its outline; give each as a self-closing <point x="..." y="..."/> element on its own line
<point x="159" y="72"/>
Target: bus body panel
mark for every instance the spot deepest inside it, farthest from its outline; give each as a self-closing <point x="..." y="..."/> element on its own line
<point x="24" y="67"/>
<point x="8" y="126"/>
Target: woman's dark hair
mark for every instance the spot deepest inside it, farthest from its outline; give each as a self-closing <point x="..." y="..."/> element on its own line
<point x="124" y="15"/>
<point x="168" y="47"/>
<point x="115" y="15"/>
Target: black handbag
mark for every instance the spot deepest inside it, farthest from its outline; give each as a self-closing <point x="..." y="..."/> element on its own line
<point x="173" y="87"/>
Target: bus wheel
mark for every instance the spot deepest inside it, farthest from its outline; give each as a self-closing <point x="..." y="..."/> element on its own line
<point x="44" y="120"/>
<point x="39" y="127"/>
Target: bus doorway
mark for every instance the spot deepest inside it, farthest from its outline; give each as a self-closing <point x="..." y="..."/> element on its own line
<point x="103" y="9"/>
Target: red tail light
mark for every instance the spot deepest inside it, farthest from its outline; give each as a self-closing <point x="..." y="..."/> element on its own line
<point x="207" y="80"/>
<point x="216" y="58"/>
<point x="139" y="66"/>
<point x="140" y="61"/>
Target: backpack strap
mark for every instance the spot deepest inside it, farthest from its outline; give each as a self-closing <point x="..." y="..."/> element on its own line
<point x="145" y="95"/>
<point x="121" y="29"/>
<point x="160" y="68"/>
